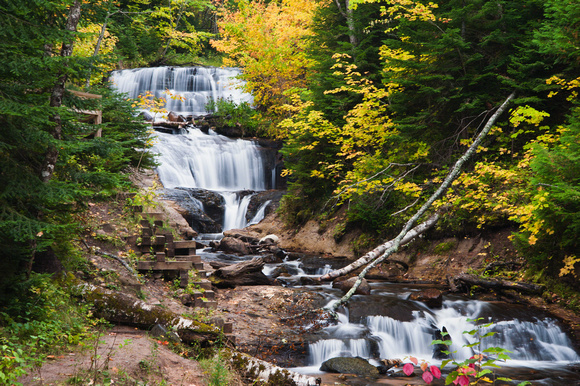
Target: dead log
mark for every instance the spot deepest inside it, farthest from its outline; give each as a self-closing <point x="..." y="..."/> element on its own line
<point x="119" y="308"/>
<point x="464" y="282"/>
<point x="441" y="190"/>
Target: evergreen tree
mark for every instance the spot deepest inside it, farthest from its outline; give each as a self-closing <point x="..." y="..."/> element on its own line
<point x="36" y="208"/>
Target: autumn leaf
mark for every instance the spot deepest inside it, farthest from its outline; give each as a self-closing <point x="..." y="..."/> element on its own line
<point x="427" y="377"/>
<point x="408" y="369"/>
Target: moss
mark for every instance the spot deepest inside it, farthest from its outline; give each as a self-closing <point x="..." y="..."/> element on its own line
<point x="444" y="247"/>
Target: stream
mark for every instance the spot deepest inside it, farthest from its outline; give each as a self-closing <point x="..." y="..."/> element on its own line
<point x="383" y="325"/>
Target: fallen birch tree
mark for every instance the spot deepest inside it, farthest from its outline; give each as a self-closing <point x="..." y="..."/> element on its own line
<point x="392" y="246"/>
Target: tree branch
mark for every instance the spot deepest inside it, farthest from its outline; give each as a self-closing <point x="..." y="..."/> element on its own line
<point x="453" y="174"/>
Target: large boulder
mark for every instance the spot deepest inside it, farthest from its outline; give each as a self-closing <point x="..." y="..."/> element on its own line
<point x="342" y="365"/>
<point x="233" y="245"/>
<point x="346" y="285"/>
<point x="432" y="297"/>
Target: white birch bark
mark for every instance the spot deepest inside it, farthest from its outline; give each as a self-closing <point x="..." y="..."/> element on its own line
<point x="453" y="174"/>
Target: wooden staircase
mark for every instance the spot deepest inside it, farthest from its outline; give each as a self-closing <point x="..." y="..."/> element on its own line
<point x="173" y="260"/>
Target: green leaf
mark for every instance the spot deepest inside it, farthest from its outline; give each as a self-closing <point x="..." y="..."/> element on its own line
<point x="483" y="372"/>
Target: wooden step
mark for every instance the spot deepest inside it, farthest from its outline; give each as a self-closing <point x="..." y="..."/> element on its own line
<point x="164" y="266"/>
<point x="186" y="244"/>
<point x="192" y="258"/>
<point x="230" y="338"/>
<point x="203" y="283"/>
<point x="208" y="294"/>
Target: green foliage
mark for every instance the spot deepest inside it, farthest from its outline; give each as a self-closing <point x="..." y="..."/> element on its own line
<point x="230" y="114"/>
<point x="42" y="317"/>
<point x="554" y="222"/>
<point x="217" y="370"/>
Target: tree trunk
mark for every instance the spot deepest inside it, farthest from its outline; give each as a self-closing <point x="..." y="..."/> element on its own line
<point x="348" y="14"/>
<point x="57" y="94"/>
<point x="464" y="282"/>
<point x="370" y="256"/>
<point x="453" y="174"/>
<point x="268" y="373"/>
<point x="117" y="307"/>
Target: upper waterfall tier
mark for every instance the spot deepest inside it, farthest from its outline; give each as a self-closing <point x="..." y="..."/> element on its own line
<point x="196" y="86"/>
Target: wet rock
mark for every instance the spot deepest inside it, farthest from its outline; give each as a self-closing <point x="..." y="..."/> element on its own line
<point x="346" y="285"/>
<point x="432" y="297"/>
<point x="233" y="245"/>
<point x="269" y="239"/>
<point x="259" y="199"/>
<point x="358" y="366"/>
<point x="174" y="117"/>
<point x="438" y="349"/>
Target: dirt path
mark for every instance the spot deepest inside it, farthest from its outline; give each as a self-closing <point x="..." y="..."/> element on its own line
<point x="122" y="354"/>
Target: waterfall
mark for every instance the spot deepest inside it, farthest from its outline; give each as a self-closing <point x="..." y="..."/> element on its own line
<point x="194" y="85"/>
<point x="540" y="340"/>
<point x="259" y="216"/>
<point x="195" y="159"/>
<point x="213" y="162"/>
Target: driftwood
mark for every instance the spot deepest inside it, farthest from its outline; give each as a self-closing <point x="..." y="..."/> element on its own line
<point x="464" y="282"/>
<point x="117" y="307"/>
<point x="244" y="273"/>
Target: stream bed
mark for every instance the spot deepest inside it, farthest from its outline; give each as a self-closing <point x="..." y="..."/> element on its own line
<point x="387" y="325"/>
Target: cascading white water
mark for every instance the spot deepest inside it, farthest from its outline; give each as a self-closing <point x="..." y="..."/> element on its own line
<point x="194" y="85"/>
<point x="195" y="159"/>
<point x="259" y="216"/>
<point x="540" y="341"/>
<point x="212" y="162"/>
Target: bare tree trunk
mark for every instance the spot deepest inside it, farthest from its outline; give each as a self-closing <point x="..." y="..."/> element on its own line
<point x="370" y="256"/>
<point x="453" y="174"/>
<point x="57" y="94"/>
<point x="347" y="13"/>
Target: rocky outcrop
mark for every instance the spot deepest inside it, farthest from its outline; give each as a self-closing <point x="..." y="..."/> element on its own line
<point x="233" y="245"/>
<point x="358" y="366"/>
<point x="432" y="297"/>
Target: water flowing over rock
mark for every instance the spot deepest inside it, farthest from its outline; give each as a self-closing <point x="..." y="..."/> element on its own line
<point x="233" y="169"/>
<point x="196" y="85"/>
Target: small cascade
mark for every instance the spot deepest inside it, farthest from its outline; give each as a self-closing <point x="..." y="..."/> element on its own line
<point x="259" y="216"/>
<point x="539" y="340"/>
<point x="194" y="86"/>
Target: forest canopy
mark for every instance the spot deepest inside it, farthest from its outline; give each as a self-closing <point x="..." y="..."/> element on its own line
<point x="373" y="100"/>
